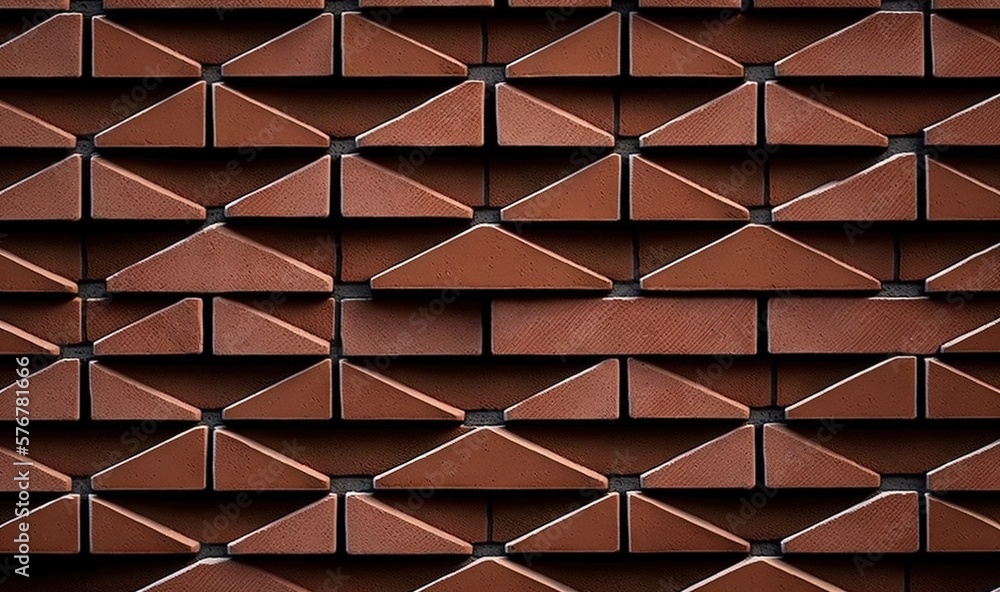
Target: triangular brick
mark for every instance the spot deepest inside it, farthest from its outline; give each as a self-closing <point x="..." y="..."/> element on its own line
<point x="976" y="273"/>
<point x="524" y="120"/>
<point x="54" y="391"/>
<point x="54" y="527"/>
<point x="884" y="191"/>
<point x="452" y="118"/>
<point x="310" y="530"/>
<point x="793" y="461"/>
<point x="655" y="392"/>
<point x="952" y="393"/>
<point x="883" y="44"/>
<point x="489" y="257"/>
<point x="376" y="528"/>
<point x="14" y="340"/>
<point x="43" y="478"/>
<point x="175" y="464"/>
<point x="115" y="396"/>
<point x="239" y="459"/>
<point x="985" y="339"/>
<point x="364" y="394"/>
<point x="304" y="395"/>
<point x="961" y="52"/>
<point x="304" y="193"/>
<point x="731" y="457"/>
<point x="593" y="50"/>
<point x="52" y="49"/>
<point x="756" y="257"/>
<point x="493" y="573"/>
<point x="175" y="122"/>
<point x="590" y="194"/>
<point x="793" y="119"/>
<point x="953" y="195"/>
<point x="239" y="329"/>
<point x="114" y="529"/>
<point x="19" y="275"/>
<point x="372" y="50"/>
<point x="594" y="528"/>
<point x="20" y="129"/>
<point x="215" y="260"/>
<point x="974" y="126"/>
<point x="591" y="394"/>
<point x="977" y="471"/>
<point x="655" y="527"/>
<point x="306" y="50"/>
<point x="224" y="572"/>
<point x="369" y="190"/>
<point x="661" y="194"/>
<point x="763" y="573"/>
<point x="238" y="120"/>
<point x="886" y="523"/>
<point x="729" y="120"/>
<point x="119" y="194"/>
<point x="658" y="51"/>
<point x="887" y="390"/>
<point x="490" y="458"/>
<point x="121" y="53"/>
<point x="952" y="528"/>
<point x="53" y="193"/>
<point x="176" y="329"/>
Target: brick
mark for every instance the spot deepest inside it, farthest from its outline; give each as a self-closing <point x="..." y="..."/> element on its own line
<point x="439" y="325"/>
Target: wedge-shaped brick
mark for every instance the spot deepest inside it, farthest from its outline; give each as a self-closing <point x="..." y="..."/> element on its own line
<point x="365" y="394"/>
<point x="54" y="391"/>
<point x="115" y="396"/>
<point x="593" y="50"/>
<point x="977" y="471"/>
<point x="757" y="257"/>
<point x="794" y="119"/>
<point x="51" y="49"/>
<point x="655" y="527"/>
<point x="176" y="329"/>
<point x="591" y="394"/>
<point x="731" y="456"/>
<point x="655" y="392"/>
<point x="219" y="260"/>
<point x="952" y="528"/>
<point x="490" y="458"/>
<point x="306" y="50"/>
<point x="175" y="122"/>
<point x="239" y="329"/>
<point x="984" y="339"/>
<point x="954" y="195"/>
<point x="494" y="573"/>
<point x="304" y="395"/>
<point x="123" y="53"/>
<point x="20" y="129"/>
<point x="661" y="194"/>
<point x="765" y="573"/>
<point x="729" y="120"/>
<point x="241" y="121"/>
<point x="119" y="194"/>
<point x="52" y="527"/>
<point x="20" y="275"/>
<point x="884" y="191"/>
<point x="116" y="530"/>
<point x="590" y="194"/>
<point x="887" y="390"/>
<point x="621" y="326"/>
<point x="373" y="50"/>
<point x="952" y="393"/>
<point x="593" y="528"/>
<point x="453" y="118"/>
<point x="43" y="478"/>
<point x="886" y="43"/>
<point x="793" y="461"/>
<point x="303" y="193"/>
<point x="961" y="52"/>
<point x="39" y="326"/>
<point x="369" y="190"/>
<point x="381" y="327"/>
<point x="222" y="571"/>
<point x="973" y="126"/>
<point x="979" y="272"/>
<point x="886" y="523"/>
<point x="53" y="193"/>
<point x="218" y="4"/>
<point x="175" y="464"/>
<point x="376" y="528"/>
<point x="487" y="257"/>
<point x="525" y="120"/>
<point x="241" y="464"/>
<point x="658" y="51"/>
<point x="310" y="530"/>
